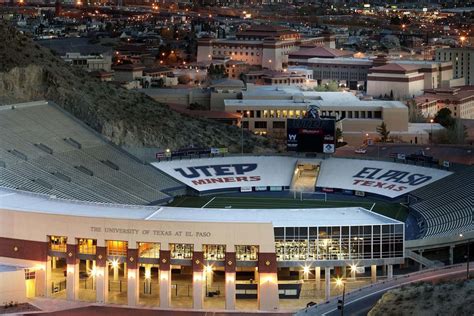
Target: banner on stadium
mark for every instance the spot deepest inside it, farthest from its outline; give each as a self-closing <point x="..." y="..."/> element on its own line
<point x="231" y="172"/>
<point x="379" y="177"/>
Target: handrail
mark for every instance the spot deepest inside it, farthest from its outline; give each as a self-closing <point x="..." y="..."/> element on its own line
<point x="395" y="278"/>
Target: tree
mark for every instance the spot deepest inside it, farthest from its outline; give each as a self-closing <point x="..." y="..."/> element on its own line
<point x="184" y="79"/>
<point x="444" y="118"/>
<point x="414" y="113"/>
<point x="391" y="94"/>
<point x="383" y="131"/>
<point x="338" y="134"/>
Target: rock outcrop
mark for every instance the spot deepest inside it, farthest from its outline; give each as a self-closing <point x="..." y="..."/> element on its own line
<point x="30" y="72"/>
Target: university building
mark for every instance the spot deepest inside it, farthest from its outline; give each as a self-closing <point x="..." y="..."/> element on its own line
<point x="403" y="79"/>
<point x="69" y="244"/>
<point x="462" y="59"/>
<point x="260" y="45"/>
<point x="265" y="110"/>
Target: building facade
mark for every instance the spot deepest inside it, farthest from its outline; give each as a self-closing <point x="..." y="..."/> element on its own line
<point x="266" y="109"/>
<point x="102" y="241"/>
<point x="260" y="45"/>
<point x="462" y="59"/>
<point x="359" y="73"/>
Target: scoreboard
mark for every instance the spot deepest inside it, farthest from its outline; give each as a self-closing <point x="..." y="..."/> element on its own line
<point x="311" y="135"/>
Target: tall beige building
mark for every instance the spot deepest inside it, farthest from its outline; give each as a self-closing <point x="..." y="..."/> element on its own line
<point x="463" y="62"/>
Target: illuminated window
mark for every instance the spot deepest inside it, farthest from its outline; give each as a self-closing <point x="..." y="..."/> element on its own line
<point x="87" y="246"/>
<point x="57" y="243"/>
<point x="246" y="253"/>
<point x="117" y="248"/>
<point x="148" y="250"/>
<point x="181" y="251"/>
<point x="214" y="252"/>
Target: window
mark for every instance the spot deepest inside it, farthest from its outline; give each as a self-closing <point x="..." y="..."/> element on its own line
<point x="116" y="248"/>
<point x="246" y="253"/>
<point x="260" y="124"/>
<point x="214" y="252"/>
<point x="277" y="124"/>
<point x="30" y="274"/>
<point x="149" y="250"/>
<point x="87" y="246"/>
<point x="181" y="251"/>
<point x="57" y="243"/>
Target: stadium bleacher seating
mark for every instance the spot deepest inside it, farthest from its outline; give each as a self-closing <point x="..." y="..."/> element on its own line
<point x="446" y="207"/>
<point x="45" y="150"/>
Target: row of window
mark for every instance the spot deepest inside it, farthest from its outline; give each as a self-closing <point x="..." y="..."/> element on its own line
<point x="236" y="53"/>
<point x="339" y="243"/>
<point x="152" y="250"/>
<point x="301" y="113"/>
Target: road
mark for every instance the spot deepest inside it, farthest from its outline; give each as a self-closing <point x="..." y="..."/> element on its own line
<point x="359" y="302"/>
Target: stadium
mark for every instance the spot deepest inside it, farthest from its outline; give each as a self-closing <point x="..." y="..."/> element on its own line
<point x="83" y="220"/>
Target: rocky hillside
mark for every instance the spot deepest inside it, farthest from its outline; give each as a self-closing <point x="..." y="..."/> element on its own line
<point x="426" y="299"/>
<point x="30" y="72"/>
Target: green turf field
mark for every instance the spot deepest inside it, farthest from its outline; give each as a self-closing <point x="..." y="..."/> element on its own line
<point x="393" y="210"/>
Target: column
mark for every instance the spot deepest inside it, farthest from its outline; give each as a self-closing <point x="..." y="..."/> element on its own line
<point x="198" y="279"/>
<point x="88" y="266"/>
<point x="344" y="271"/>
<point x="147" y="278"/>
<point x="230" y="262"/>
<point x="451" y="255"/>
<point x="327" y="280"/>
<point x="116" y="271"/>
<point x="125" y="270"/>
<point x="43" y="277"/>
<point x="306" y="273"/>
<point x="102" y="275"/>
<point x="53" y="261"/>
<point x="390" y="271"/>
<point x="353" y="273"/>
<point x="72" y="274"/>
<point x="131" y="269"/>
<point x="48" y="273"/>
<point x="373" y="273"/>
<point x="165" y="279"/>
<point x="318" y="278"/>
<point x="268" y="299"/>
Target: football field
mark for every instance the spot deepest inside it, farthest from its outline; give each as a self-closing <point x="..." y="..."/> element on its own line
<point x="393" y="210"/>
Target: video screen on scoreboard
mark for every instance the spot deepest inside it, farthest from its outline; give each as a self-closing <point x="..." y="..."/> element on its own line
<point x="311" y="135"/>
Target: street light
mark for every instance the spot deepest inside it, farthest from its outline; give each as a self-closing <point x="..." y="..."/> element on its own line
<point x="468" y="257"/>
<point x="462" y="38"/>
<point x="431" y="134"/>
<point x="242" y="131"/>
<point x="340" y="303"/>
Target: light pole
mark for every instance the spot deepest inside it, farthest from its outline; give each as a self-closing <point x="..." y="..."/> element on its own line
<point x="340" y="303"/>
<point x="242" y="134"/>
<point x="242" y="131"/>
<point x="431" y="134"/>
<point x="468" y="257"/>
